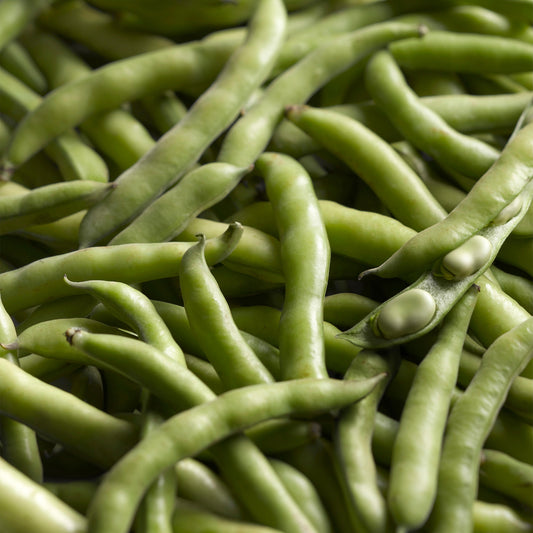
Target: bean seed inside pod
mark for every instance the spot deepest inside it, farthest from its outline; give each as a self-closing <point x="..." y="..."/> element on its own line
<point x="467" y="258"/>
<point x="407" y="313"/>
<point x="508" y="212"/>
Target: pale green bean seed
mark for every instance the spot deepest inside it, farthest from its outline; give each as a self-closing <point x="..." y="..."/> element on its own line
<point x="466" y="259"/>
<point x="407" y="313"/>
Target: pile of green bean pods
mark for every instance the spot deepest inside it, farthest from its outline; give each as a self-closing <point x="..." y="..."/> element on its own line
<point x="266" y="266"/>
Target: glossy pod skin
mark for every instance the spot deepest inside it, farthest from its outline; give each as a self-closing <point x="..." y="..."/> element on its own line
<point x="48" y="513"/>
<point x="43" y="281"/>
<point x="19" y="442"/>
<point x="422" y="424"/>
<point x="481" y="401"/>
<point x="195" y="192"/>
<point x="380" y="167"/>
<point x="206" y="307"/>
<point x="459" y="52"/>
<point x="210" y="115"/>
<point x="509" y="175"/>
<point x="422" y="126"/>
<point x="302" y="233"/>
<point x="225" y="417"/>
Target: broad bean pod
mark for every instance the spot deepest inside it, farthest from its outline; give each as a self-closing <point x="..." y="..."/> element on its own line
<point x="460" y="52"/>
<point x="421" y="306"/>
<point x="417" y="445"/>
<point x="15" y="15"/>
<point x="195" y="192"/>
<point x="420" y="125"/>
<point x="42" y="281"/>
<point x="192" y="518"/>
<point x="509" y="175"/>
<point x="76" y="160"/>
<point x="507" y="475"/>
<point x="210" y="115"/>
<point x="251" y="133"/>
<point x="128" y="478"/>
<point x="48" y="513"/>
<point x="304" y="492"/>
<point x="49" y="203"/>
<point x="15" y="59"/>
<point x="302" y="233"/>
<point x="136" y="310"/>
<point x="19" y="442"/>
<point x="464" y="438"/>
<point x="93" y="434"/>
<point x="109" y="87"/>
<point x="115" y="133"/>
<point x="381" y="168"/>
<point x="269" y="501"/>
<point x="353" y="443"/>
<point x="199" y="484"/>
<point x="206" y="308"/>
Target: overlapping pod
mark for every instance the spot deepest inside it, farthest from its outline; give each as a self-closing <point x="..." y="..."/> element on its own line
<point x="509" y="175"/>
<point x="130" y="477"/>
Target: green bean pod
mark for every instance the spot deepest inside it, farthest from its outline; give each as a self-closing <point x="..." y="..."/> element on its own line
<point x="19" y="442"/>
<point x="48" y="514"/>
<point x="188" y="433"/>
<point x="207" y="310"/>
<point x="418" y="442"/>
<point x="381" y="167"/>
<point x="130" y="263"/>
<point x="509" y="175"/>
<point x="353" y="444"/>
<point x="460" y="52"/>
<point x="195" y="192"/>
<point x="49" y="203"/>
<point x="136" y="310"/>
<point x="210" y="115"/>
<point x="422" y="126"/>
<point x="302" y="234"/>
<point x="470" y="422"/>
